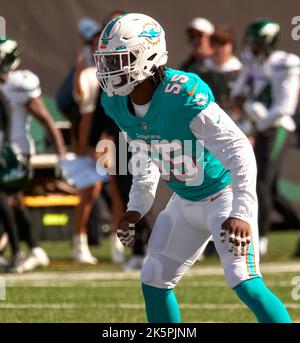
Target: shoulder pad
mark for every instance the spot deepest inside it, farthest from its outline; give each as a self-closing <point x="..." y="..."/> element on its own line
<point x="24" y="80"/>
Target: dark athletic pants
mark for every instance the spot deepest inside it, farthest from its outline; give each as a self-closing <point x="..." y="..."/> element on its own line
<point x="270" y="148"/>
<point x="7" y="219"/>
<point x="26" y="233"/>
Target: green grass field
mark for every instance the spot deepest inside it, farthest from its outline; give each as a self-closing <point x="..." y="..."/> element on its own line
<point x="67" y="292"/>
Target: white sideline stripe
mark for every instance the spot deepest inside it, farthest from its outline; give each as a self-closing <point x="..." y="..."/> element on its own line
<point x="126" y="306"/>
<point x="272" y="268"/>
<point x="123" y="284"/>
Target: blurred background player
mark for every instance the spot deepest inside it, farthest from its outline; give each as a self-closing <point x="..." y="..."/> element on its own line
<point x="8" y="229"/>
<point x="198" y="34"/>
<point x="21" y="89"/>
<point x="93" y="127"/>
<point x="85" y="92"/>
<point x="103" y="127"/>
<point x="267" y="91"/>
<point x="79" y="100"/>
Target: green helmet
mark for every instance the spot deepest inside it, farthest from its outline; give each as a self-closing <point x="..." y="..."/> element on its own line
<point x="14" y="169"/>
<point x="9" y="55"/>
<point x="262" y="35"/>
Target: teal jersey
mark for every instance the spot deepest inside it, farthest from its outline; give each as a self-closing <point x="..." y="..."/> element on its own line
<point x="177" y="100"/>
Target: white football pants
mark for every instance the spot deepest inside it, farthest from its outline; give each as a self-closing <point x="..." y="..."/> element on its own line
<point x="181" y="233"/>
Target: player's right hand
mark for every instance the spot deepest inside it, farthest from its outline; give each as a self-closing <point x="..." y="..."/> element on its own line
<point x="126" y="230"/>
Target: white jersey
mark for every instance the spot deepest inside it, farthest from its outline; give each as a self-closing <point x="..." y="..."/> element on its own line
<point x="21" y="87"/>
<point x="275" y="85"/>
<point x="232" y="64"/>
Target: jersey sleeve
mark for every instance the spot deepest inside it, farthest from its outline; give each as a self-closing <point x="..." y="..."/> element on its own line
<point x="285" y="87"/>
<point x="239" y="87"/>
<point x="143" y="189"/>
<point x="145" y="178"/>
<point x="231" y="147"/>
<point x="196" y="96"/>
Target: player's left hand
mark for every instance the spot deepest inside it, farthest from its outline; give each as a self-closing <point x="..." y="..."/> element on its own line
<point x="239" y="234"/>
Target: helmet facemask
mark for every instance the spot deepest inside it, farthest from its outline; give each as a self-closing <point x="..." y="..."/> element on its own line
<point x="117" y="72"/>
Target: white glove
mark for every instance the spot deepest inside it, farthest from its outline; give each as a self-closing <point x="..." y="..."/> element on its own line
<point x="258" y="113"/>
<point x="255" y="110"/>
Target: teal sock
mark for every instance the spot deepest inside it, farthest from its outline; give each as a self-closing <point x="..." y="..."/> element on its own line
<point x="262" y="302"/>
<point x="161" y="305"/>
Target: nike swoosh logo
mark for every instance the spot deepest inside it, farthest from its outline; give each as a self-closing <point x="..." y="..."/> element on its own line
<point x="214" y="198"/>
<point x="193" y="90"/>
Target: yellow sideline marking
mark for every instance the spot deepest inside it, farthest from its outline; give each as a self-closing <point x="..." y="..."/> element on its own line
<point x="51" y="200"/>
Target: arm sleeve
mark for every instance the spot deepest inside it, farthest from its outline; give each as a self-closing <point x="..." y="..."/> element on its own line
<point x="231" y="147"/>
<point x="239" y="86"/>
<point x="144" y="184"/>
<point x="285" y="84"/>
<point x="285" y="91"/>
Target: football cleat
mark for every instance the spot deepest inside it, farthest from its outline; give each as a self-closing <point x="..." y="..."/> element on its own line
<point x="38" y="258"/>
<point x="117" y="250"/>
<point x="81" y="251"/>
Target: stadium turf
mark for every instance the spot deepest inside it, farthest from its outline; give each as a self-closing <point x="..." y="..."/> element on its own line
<point x="67" y="292"/>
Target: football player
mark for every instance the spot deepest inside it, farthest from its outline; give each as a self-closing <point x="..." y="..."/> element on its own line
<point x="21" y="89"/>
<point x="269" y="82"/>
<point x="213" y="178"/>
<point x="11" y="180"/>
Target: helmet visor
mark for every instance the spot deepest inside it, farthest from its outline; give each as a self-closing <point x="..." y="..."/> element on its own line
<point x="114" y="69"/>
<point x="108" y="63"/>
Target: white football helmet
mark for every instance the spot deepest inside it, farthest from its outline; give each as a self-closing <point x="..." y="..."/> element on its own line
<point x="130" y="49"/>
